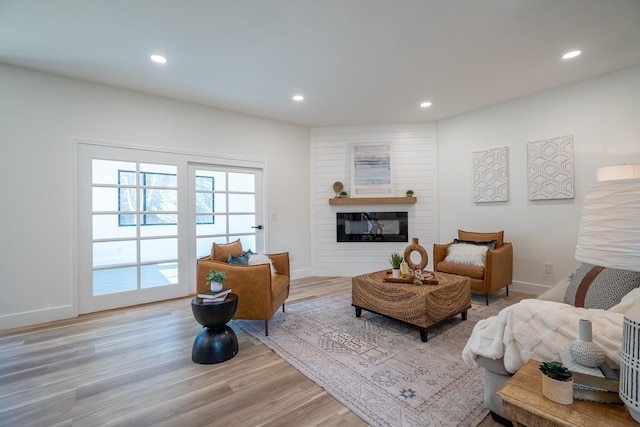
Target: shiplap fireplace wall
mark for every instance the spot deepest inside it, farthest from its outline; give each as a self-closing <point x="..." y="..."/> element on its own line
<point x="413" y="166"/>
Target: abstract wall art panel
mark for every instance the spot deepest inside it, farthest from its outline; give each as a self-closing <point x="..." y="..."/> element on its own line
<point x="550" y="164"/>
<point x="490" y="175"/>
<point x="371" y="170"/>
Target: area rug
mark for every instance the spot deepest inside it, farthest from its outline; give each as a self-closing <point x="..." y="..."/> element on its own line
<point x="378" y="367"/>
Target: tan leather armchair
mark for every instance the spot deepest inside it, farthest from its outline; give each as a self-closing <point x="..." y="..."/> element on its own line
<point x="497" y="272"/>
<point x="259" y="294"/>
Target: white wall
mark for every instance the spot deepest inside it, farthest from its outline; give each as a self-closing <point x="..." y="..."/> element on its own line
<point x="413" y="165"/>
<point x="602" y="114"/>
<point x="40" y="113"/>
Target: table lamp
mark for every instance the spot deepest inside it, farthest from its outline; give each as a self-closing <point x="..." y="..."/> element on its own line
<point x="609" y="236"/>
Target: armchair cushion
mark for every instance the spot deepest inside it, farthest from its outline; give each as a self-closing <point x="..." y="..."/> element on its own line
<point x="221" y="251"/>
<point x="465" y="253"/>
<point x="240" y="259"/>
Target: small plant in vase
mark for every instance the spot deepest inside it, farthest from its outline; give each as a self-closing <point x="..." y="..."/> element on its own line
<point x="557" y="382"/>
<point x="409" y="193"/>
<point x="395" y="259"/>
<point x="215" y="278"/>
<point x="343" y="194"/>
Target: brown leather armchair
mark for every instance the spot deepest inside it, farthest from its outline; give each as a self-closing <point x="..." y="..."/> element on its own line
<point x="259" y="293"/>
<point x="497" y="272"/>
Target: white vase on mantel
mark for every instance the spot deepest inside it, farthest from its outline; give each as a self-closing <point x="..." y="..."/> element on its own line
<point x="216" y="286"/>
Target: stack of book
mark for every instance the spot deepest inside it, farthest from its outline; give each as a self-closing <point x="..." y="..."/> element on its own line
<point x="209" y="296"/>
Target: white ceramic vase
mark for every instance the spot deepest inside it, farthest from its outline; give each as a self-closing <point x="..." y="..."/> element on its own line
<point x="216" y="286"/>
<point x="558" y="391"/>
<point x="584" y="351"/>
<point x="395" y="273"/>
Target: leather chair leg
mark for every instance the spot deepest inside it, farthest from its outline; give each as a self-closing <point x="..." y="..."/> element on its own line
<point x="486" y="297"/>
<point x="266" y="328"/>
<point x="507" y="291"/>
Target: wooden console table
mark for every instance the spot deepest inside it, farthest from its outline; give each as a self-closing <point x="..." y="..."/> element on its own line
<point x="525" y="405"/>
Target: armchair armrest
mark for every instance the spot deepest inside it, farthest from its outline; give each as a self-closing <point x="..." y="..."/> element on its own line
<point x="439" y="253"/>
<point x="281" y="263"/>
<point x="499" y="267"/>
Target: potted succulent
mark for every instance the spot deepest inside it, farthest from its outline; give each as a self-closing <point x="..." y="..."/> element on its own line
<point x="557" y="382"/>
<point x="409" y="193"/>
<point x="343" y="194"/>
<point x="395" y="259"/>
<point x="215" y="278"/>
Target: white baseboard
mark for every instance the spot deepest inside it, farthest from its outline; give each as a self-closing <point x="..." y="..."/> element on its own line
<point x="28" y="318"/>
<point x="299" y="274"/>
<point x="529" y="288"/>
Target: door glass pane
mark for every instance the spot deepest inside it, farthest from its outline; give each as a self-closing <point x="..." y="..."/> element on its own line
<point x="106" y="226"/>
<point x="158" y="175"/>
<point x="218" y="227"/>
<point x="158" y="275"/>
<point x="158" y="250"/>
<point x="114" y="253"/>
<point x="115" y="280"/>
<point x="106" y="171"/>
<point x="241" y="224"/>
<point x="242" y="182"/>
<point x="106" y="199"/>
<point x="161" y="230"/>
<point x="249" y="242"/>
<point x="242" y="202"/>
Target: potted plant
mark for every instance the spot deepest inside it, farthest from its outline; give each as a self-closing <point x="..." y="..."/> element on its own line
<point x="395" y="259"/>
<point x="557" y="382"/>
<point x="343" y="194"/>
<point x="215" y="278"/>
<point x="409" y="193"/>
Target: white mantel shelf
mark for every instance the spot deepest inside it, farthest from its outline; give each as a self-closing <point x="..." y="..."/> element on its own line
<point x="373" y="200"/>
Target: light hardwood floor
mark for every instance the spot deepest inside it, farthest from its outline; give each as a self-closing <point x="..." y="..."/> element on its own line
<point x="133" y="367"/>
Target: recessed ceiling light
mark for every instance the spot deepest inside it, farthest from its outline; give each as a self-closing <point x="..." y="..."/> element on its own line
<point x="425" y="104"/>
<point x="571" y="54"/>
<point x="298" y="98"/>
<point x="159" y="59"/>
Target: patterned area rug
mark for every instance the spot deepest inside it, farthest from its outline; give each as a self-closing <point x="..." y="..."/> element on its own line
<point x="378" y="367"/>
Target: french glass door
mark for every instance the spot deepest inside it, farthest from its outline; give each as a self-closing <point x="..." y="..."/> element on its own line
<point x="145" y="216"/>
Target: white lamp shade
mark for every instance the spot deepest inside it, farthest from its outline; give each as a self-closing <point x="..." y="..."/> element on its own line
<point x="618" y="172"/>
<point x="609" y="234"/>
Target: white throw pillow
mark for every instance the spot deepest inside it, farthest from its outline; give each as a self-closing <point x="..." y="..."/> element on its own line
<point x="464" y="253"/>
<point x="262" y="259"/>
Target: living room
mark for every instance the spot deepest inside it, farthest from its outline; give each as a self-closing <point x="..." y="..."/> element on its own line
<point x="45" y="114"/>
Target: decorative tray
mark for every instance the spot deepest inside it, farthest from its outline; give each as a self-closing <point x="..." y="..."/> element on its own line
<point x="428" y="278"/>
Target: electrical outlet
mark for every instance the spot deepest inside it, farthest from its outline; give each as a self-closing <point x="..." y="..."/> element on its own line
<point x="548" y="268"/>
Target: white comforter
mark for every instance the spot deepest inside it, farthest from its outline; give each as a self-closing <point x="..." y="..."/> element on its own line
<point x="537" y="329"/>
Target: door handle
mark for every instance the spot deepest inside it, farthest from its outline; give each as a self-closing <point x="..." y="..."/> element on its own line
<point x="259" y="227"/>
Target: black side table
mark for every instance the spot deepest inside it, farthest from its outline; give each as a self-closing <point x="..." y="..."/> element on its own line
<point x="216" y="342"/>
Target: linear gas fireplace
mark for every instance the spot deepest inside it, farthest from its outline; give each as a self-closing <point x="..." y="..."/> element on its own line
<point x="372" y="227"/>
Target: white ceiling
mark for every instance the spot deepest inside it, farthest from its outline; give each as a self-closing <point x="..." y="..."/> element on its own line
<point x="355" y="61"/>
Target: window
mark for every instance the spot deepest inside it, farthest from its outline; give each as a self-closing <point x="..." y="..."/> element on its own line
<point x="156" y="199"/>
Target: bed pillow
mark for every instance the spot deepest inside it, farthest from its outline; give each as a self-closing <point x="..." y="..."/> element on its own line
<point x="593" y="286"/>
<point x="465" y="253"/>
<point x="221" y="251"/>
<point x="262" y="259"/>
